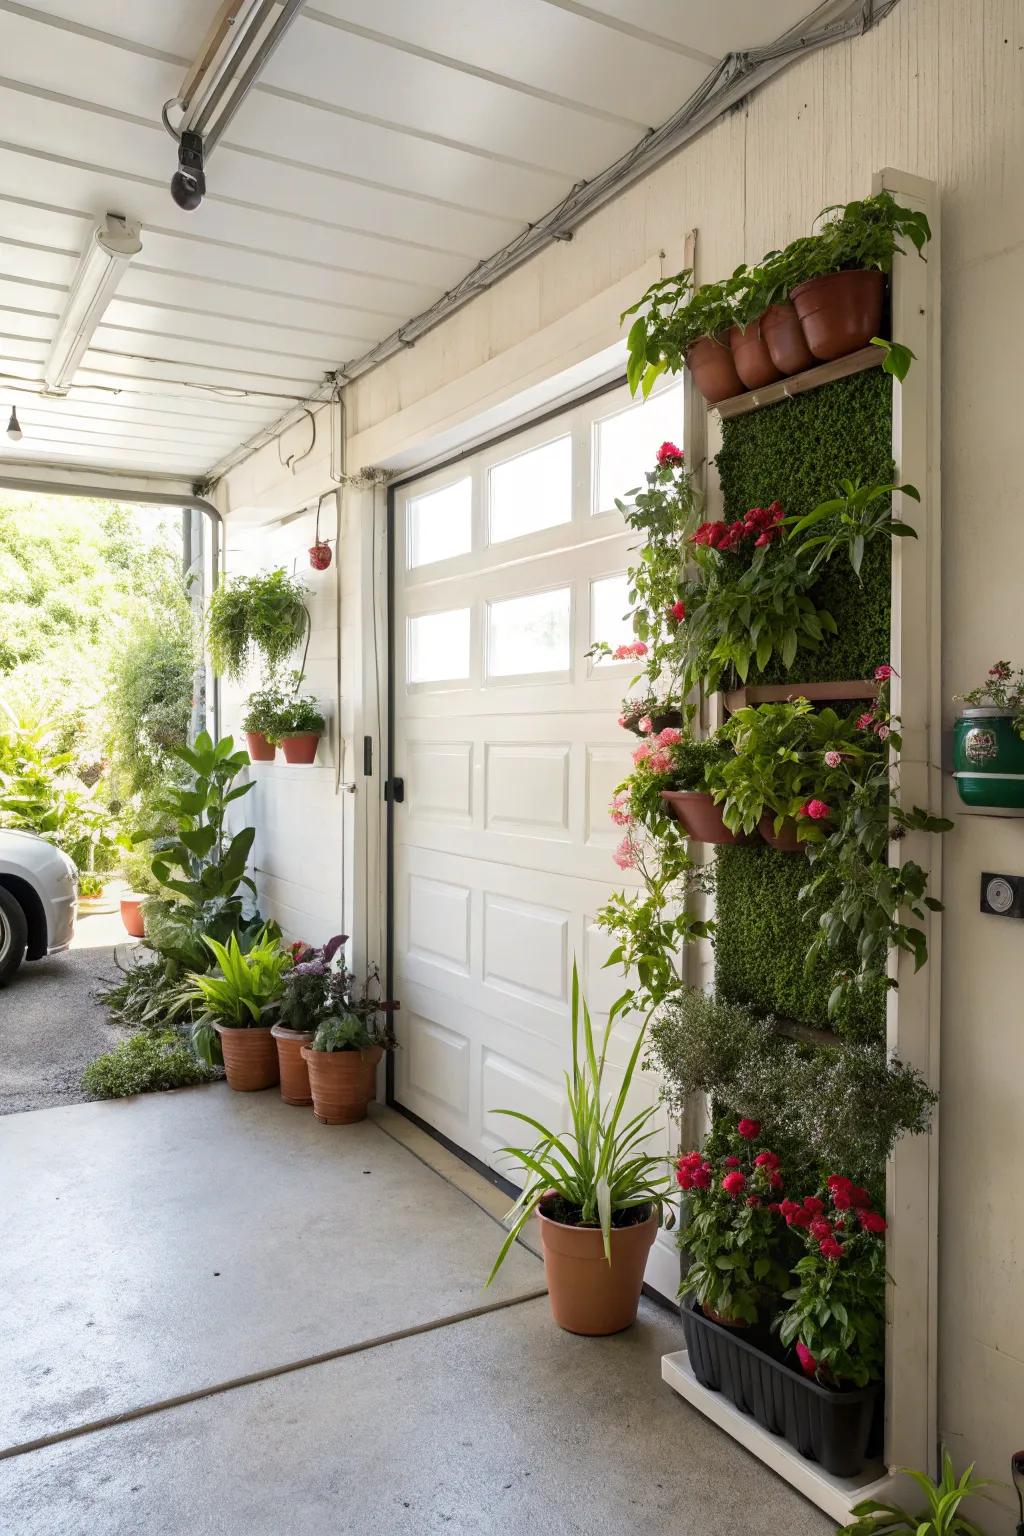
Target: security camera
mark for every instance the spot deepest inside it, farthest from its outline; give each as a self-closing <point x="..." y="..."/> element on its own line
<point x="188" y="184"/>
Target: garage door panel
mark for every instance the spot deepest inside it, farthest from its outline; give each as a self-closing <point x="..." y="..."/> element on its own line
<point x="438" y="1062"/>
<point x="440" y="779"/>
<point x="525" y="950"/>
<point x="439" y="922"/>
<point x="526" y="789"/>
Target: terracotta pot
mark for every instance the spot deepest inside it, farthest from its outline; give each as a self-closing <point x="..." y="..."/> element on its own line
<point x="784" y="337"/>
<point x="750" y="354"/>
<point x="714" y="372"/>
<point x="260" y="749"/>
<point x="587" y="1294"/>
<point x="783" y="841"/>
<point x="723" y="1322"/>
<point x="293" y="1070"/>
<point x="250" y="1058"/>
<point x="695" y="810"/>
<point x="131" y="916"/>
<point x="301" y="748"/>
<point x="840" y="312"/>
<point x="342" y="1083"/>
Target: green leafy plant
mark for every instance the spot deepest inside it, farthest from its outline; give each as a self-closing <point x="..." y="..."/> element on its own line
<point x="836" y="1313"/>
<point x="90" y="886"/>
<point x="343" y="1032"/>
<point x="202" y="863"/>
<point x="860" y="514"/>
<point x="296" y="717"/>
<point x="940" y="1515"/>
<point x="249" y="984"/>
<point x="256" y="614"/>
<point x="782" y="763"/>
<point x="263" y="708"/>
<point x="39" y="792"/>
<point x="670" y="317"/>
<point x="147" y="1063"/>
<point x="731" y="1232"/>
<point x="897" y="358"/>
<point x="600" y="1171"/>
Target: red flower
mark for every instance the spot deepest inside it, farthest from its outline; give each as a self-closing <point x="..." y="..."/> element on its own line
<point x="871" y="1221"/>
<point x="839" y="1181"/>
<point x="734" y="1183"/>
<point x="775" y="1207"/>
<point x="814" y="1205"/>
<point x="883" y="673"/>
<point x="808" y="1364"/>
<point x="830" y="1249"/>
<point x="701" y="1177"/>
<point x="769" y="1160"/>
<point x="841" y="1200"/>
<point x="820" y="1228"/>
<point x="817" y="810"/>
<point x="668" y="453"/>
<point x="800" y="1218"/>
<point x="732" y="1162"/>
<point x="865" y="721"/>
<point x="750" y="1130"/>
<point x="753" y="1200"/>
<point x="860" y="1197"/>
<point x="775" y="1179"/>
<point x="678" y="611"/>
<point x="684" y="1178"/>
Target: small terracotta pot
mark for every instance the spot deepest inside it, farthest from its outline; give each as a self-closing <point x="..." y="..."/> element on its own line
<point x="840" y="312"/>
<point x="293" y="1071"/>
<point x="784" y="337"/>
<point x="723" y="1322"/>
<point x="342" y="1083"/>
<point x="131" y="916"/>
<point x="250" y="1058"/>
<point x="696" y="810"/>
<point x="260" y="749"/>
<point x="750" y="354"/>
<point x="301" y="748"/>
<point x="587" y="1294"/>
<point x="783" y="841"/>
<point x="710" y="361"/>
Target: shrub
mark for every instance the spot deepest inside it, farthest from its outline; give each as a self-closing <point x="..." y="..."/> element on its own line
<point x="147" y="1063"/>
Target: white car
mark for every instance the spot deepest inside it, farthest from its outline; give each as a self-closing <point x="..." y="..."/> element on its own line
<point x="38" y="900"/>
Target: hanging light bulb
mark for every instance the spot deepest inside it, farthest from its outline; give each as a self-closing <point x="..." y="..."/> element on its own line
<point x="14" y="426"/>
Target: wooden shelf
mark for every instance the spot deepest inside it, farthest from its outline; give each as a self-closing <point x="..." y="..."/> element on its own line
<point x="800" y="383"/>
<point x="783" y="693"/>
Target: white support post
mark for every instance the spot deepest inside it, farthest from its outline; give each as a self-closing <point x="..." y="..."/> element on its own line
<point x="914" y="1010"/>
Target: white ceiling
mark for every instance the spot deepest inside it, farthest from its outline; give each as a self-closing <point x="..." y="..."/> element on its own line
<point x="390" y="145"/>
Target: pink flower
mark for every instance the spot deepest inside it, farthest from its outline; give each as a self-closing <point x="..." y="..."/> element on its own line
<point x="833" y="759"/>
<point x="622" y="722"/>
<point x="883" y="673"/>
<point x="645" y="725"/>
<point x="830" y="1249"/>
<point x="865" y="721"/>
<point x="641" y="753"/>
<point x="882" y="732"/>
<point x="619" y="809"/>
<point x="631" y="652"/>
<point x="668" y="453"/>
<point x="625" y="854"/>
<point x="702" y="1176"/>
<point x="669" y="736"/>
<point x="732" y="1162"/>
<point x="808" y="1364"/>
<point x="660" y="762"/>
<point x="734" y="1183"/>
<point x="750" y="1130"/>
<point x="817" y="810"/>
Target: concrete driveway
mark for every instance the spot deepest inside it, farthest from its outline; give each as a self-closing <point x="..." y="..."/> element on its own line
<point x="224" y="1317"/>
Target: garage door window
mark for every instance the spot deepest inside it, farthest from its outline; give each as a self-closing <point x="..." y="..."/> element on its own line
<point x="439" y="647"/>
<point x="531" y="491"/>
<point x="610" y="615"/>
<point x="626" y="441"/>
<point x="440" y="524"/>
<point x="529" y="634"/>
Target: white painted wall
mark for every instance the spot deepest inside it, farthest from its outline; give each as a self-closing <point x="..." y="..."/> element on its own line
<point x="937" y="90"/>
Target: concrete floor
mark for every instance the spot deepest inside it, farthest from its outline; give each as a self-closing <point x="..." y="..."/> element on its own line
<point x="164" y="1247"/>
<point x="51" y="1025"/>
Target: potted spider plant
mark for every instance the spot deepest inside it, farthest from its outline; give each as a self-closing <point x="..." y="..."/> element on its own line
<point x="596" y="1189"/>
<point x="239" y="1003"/>
<point x="988" y="740"/>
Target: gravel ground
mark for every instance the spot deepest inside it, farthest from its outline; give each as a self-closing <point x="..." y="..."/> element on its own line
<point x="51" y="1025"/>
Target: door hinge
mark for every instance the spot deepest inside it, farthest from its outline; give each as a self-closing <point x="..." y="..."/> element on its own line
<point x="394" y="790"/>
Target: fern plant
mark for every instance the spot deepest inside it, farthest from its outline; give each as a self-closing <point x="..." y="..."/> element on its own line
<point x="263" y="614"/>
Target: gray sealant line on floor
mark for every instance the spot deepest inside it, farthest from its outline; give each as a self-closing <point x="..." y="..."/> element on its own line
<point x="145" y="1410"/>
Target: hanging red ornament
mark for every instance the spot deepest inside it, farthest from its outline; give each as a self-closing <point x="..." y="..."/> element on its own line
<point x="320" y="556"/>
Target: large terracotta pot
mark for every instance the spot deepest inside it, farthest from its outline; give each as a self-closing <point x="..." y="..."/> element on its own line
<point x="131" y="916"/>
<point x="293" y="1070"/>
<point x="750" y="354"/>
<point x="250" y="1058"/>
<point x="714" y="372"/>
<point x="696" y="810"/>
<point x="840" y="312"/>
<point x="587" y="1294"/>
<point x="784" y="337"/>
<point x="785" y="839"/>
<point x="260" y="749"/>
<point x="301" y="748"/>
<point x="342" y="1083"/>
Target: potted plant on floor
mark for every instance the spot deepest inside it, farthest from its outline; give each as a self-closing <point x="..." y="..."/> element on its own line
<point x="596" y="1189"/>
<point x="305" y="1001"/>
<point x="343" y="1055"/>
<point x="262" y="710"/>
<point x="240" y="1003"/>
<point x="299" y="725"/>
<point x="249" y="615"/>
<point x="988" y="740"/>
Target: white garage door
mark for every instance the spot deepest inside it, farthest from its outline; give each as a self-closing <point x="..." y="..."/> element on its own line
<point x="507" y="566"/>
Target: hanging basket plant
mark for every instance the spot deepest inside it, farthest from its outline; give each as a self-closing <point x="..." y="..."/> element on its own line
<point x="265" y="615"/>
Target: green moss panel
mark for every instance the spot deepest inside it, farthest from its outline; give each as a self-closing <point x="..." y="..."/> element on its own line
<point x="796" y="452"/>
<point x="761" y="945"/>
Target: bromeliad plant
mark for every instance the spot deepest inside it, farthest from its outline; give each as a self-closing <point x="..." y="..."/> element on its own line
<point x="941" y="1513"/>
<point x="733" y="1188"/>
<point x="600" y="1173"/>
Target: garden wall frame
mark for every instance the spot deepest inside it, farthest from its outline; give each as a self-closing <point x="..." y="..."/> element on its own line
<point x="912" y="1011"/>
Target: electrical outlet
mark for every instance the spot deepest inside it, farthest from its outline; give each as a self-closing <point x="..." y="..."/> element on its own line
<point x="1002" y="895"/>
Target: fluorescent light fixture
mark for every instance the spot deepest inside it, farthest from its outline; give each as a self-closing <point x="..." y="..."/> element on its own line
<point x="110" y="249"/>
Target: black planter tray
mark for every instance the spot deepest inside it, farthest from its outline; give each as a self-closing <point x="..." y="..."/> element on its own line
<point x="829" y="1427"/>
